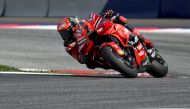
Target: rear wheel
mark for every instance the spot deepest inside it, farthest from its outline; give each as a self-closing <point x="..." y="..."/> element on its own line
<point x="158" y="67"/>
<point x="118" y="63"/>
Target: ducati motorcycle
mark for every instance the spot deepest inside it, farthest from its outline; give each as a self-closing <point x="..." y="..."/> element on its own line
<point x="118" y="48"/>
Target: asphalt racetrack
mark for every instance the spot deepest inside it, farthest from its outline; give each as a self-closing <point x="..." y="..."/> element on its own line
<point x="43" y="49"/>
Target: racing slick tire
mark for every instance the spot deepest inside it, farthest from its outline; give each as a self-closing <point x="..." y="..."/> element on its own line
<point x="158" y="67"/>
<point x="117" y="64"/>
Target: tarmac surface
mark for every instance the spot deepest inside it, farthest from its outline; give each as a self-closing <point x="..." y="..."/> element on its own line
<point x="44" y="49"/>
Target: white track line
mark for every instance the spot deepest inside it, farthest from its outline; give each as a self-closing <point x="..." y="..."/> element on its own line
<point x="33" y="27"/>
<point x="140" y="75"/>
<point x="34" y="73"/>
<point x="171" y="30"/>
<point x="33" y="70"/>
<point x="40" y="27"/>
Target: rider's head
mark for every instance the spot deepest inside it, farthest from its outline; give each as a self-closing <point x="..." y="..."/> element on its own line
<point x="65" y="28"/>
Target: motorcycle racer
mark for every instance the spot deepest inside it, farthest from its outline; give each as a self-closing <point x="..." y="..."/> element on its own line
<point x="73" y="31"/>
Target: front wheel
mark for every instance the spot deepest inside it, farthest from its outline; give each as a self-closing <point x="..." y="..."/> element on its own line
<point x="117" y="62"/>
<point x="158" y="67"/>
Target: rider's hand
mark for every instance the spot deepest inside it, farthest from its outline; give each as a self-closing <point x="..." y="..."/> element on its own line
<point x="109" y="13"/>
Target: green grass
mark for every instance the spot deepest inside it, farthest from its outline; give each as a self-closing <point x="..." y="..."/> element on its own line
<point x="8" y="68"/>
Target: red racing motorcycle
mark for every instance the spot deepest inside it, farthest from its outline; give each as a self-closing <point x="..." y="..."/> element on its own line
<point x="118" y="48"/>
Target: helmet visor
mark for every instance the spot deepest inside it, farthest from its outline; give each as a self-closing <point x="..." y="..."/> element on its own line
<point x="66" y="35"/>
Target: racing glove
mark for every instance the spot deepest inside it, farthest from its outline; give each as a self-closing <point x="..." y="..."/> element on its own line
<point x="108" y="14"/>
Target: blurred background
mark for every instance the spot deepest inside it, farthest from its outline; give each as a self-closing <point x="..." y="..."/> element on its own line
<point x="128" y="8"/>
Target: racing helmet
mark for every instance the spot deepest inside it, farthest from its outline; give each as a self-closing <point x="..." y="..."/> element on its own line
<point x="64" y="27"/>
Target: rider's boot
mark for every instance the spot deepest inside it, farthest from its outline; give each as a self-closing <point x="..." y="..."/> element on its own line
<point x="146" y="42"/>
<point x="149" y="46"/>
